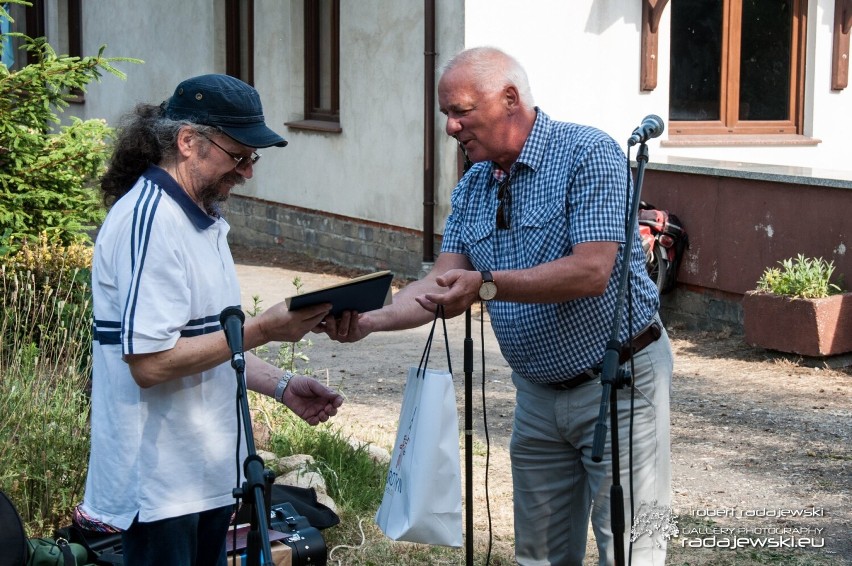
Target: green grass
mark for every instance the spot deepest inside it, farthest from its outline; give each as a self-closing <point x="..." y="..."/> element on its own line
<point x="45" y="338"/>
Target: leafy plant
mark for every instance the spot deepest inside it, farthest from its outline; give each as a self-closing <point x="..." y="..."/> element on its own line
<point x="802" y="277"/>
<point x="45" y="361"/>
<point x="46" y="169"/>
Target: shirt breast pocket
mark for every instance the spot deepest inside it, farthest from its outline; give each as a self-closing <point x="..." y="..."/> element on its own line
<point x="478" y="241"/>
<point x="545" y="233"/>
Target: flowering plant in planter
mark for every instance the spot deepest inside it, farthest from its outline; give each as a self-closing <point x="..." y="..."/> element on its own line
<point x="797" y="309"/>
<point x="806" y="278"/>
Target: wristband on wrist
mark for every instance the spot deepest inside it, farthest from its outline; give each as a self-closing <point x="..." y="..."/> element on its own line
<point x="282" y="385"/>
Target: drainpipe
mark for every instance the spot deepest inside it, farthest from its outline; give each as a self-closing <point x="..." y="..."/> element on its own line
<point x="429" y="137"/>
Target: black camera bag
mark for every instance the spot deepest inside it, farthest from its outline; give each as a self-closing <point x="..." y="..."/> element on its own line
<point x="306" y="542"/>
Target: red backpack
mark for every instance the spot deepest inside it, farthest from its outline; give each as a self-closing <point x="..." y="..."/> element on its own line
<point x="664" y="241"/>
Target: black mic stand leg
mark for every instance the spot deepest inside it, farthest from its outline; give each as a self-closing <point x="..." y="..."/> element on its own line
<point x="255" y="490"/>
<point x="468" y="438"/>
<point x="613" y="379"/>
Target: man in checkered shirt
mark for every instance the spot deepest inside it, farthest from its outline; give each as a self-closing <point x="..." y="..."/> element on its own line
<point x="536" y="232"/>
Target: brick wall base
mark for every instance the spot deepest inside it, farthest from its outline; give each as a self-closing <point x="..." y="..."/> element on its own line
<point x="696" y="308"/>
<point x="336" y="239"/>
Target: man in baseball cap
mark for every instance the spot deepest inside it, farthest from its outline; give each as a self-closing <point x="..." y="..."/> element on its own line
<point x="165" y="428"/>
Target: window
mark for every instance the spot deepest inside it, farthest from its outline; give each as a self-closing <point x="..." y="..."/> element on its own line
<point x="322" y="60"/>
<point x="27" y="20"/>
<point x="33" y="21"/>
<point x="737" y="66"/>
<point x="239" y="39"/>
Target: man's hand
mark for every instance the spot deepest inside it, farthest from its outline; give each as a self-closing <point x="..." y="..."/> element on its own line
<point x="282" y="325"/>
<point x="311" y="400"/>
<point x="462" y="290"/>
<point x="414" y="304"/>
<point x="350" y="327"/>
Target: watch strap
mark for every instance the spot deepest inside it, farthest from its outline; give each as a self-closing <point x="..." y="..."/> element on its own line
<point x="282" y="386"/>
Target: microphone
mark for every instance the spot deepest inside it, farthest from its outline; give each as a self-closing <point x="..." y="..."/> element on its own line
<point x="232" y="319"/>
<point x="651" y="127"/>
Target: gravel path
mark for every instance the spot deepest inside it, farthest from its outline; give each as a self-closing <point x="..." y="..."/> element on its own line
<point x="761" y="442"/>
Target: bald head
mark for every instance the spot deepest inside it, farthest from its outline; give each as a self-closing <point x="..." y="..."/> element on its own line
<point x="492" y="70"/>
<point x="480" y="92"/>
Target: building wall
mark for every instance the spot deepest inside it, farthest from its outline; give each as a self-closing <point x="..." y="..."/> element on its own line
<point x="371" y="171"/>
<point x="739" y="223"/>
<point x="582" y="58"/>
<point x="583" y="61"/>
<point x="363" y="245"/>
<point x="366" y="183"/>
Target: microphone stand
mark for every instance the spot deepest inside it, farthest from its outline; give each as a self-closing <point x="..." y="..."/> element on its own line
<point x="468" y="415"/>
<point x="468" y="438"/>
<point x="612" y="378"/>
<point x="256" y="488"/>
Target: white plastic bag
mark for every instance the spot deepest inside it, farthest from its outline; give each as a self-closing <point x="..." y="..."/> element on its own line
<point x="422" y="499"/>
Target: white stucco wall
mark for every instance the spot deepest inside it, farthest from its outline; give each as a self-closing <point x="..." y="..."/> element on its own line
<point x="373" y="169"/>
<point x="582" y="58"/>
<point x="581" y="65"/>
<point x="170" y="37"/>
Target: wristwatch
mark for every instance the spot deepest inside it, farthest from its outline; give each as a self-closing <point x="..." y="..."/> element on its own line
<point x="488" y="289"/>
<point x="282" y="385"/>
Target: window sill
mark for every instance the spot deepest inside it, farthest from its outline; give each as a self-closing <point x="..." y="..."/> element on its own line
<point x="315" y="126"/>
<point x="739" y="140"/>
<point x="76" y="96"/>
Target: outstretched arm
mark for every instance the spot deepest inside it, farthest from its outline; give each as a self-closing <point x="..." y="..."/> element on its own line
<point x="408" y="309"/>
<point x="199" y="353"/>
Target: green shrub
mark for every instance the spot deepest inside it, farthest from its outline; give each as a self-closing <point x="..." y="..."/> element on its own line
<point x="805" y="278"/>
<point x="47" y="169"/>
<point x="45" y="361"/>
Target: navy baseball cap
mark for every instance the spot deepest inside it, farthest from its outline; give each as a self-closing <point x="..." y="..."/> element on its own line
<point x="226" y="103"/>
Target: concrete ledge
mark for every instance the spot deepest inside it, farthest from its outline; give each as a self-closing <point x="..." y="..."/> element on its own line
<point x="702" y="310"/>
<point x="754" y="171"/>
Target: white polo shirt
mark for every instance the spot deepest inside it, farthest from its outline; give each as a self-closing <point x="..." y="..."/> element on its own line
<point x="162" y="269"/>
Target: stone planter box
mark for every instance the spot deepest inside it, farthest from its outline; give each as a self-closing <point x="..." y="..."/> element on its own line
<point x="808" y="327"/>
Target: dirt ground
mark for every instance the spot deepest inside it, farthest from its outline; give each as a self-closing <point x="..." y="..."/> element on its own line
<point x="761" y="442"/>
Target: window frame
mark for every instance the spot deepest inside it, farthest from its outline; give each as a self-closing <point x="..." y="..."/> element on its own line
<point x="729" y="123"/>
<point x="36" y="25"/>
<point x="239" y="40"/>
<point x="313" y="72"/>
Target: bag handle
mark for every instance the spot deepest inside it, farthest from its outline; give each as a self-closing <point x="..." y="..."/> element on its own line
<point x="424" y="358"/>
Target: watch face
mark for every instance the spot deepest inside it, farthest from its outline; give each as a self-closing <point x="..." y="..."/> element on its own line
<point x="487" y="291"/>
